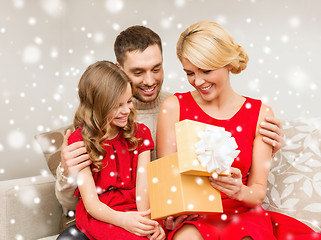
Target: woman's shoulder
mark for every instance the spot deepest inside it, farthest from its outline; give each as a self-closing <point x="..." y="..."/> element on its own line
<point x="266" y="111"/>
<point x="253" y="100"/>
<point x="173" y="100"/>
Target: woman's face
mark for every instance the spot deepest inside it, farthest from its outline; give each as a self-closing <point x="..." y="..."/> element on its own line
<point x="119" y="115"/>
<point x="209" y="83"/>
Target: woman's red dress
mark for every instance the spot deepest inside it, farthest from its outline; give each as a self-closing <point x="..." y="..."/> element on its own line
<point x="237" y="221"/>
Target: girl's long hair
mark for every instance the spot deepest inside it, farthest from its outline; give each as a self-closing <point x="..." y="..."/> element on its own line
<point x="99" y="90"/>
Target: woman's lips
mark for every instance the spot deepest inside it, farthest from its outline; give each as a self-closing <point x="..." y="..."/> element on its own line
<point x="206" y="89"/>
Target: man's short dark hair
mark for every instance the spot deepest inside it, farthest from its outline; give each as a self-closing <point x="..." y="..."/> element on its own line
<point x="135" y="38"/>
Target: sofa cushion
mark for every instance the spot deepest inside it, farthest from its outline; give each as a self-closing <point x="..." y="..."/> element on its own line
<point x="29" y="208"/>
<point x="294" y="182"/>
<point x="50" y="143"/>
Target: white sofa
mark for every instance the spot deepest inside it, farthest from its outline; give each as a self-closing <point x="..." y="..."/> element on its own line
<point x="30" y="210"/>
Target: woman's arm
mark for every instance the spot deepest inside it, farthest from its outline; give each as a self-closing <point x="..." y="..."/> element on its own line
<point x="271" y="129"/>
<point x="254" y="192"/>
<point x="165" y="132"/>
<point x="166" y="145"/>
<point x="134" y="222"/>
<point x="261" y="162"/>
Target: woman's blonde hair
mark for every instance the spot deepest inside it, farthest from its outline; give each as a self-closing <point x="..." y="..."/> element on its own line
<point x="99" y="89"/>
<point x="209" y="46"/>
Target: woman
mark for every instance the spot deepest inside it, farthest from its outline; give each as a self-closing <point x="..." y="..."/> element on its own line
<point x="208" y="55"/>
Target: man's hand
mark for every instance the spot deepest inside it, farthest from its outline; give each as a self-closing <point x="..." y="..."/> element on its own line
<point x="171" y="223"/>
<point x="74" y="157"/>
<point x="272" y="132"/>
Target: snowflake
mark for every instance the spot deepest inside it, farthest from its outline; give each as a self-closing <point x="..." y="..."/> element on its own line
<point x="114" y="6"/>
<point x="31" y="54"/>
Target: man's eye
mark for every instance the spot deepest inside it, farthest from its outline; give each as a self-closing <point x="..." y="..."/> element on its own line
<point x="137" y="73"/>
<point x="156" y="70"/>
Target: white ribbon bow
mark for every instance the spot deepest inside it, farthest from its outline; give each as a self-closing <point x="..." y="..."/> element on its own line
<point x="216" y="149"/>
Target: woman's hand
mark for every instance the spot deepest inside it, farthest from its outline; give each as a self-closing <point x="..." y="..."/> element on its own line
<point x="231" y="184"/>
<point x="138" y="223"/>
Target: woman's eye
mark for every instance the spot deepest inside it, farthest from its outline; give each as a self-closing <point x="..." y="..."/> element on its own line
<point x="189" y="74"/>
<point x="207" y="71"/>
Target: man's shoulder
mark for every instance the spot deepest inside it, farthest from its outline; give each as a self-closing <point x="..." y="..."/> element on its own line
<point x="164" y="95"/>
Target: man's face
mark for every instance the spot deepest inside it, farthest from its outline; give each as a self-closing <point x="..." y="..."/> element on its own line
<point x="145" y="69"/>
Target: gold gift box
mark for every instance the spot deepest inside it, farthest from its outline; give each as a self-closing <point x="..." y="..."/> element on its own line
<point x="173" y="194"/>
<point x="186" y="138"/>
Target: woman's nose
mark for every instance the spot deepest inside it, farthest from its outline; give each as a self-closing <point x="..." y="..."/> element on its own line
<point x="198" y="80"/>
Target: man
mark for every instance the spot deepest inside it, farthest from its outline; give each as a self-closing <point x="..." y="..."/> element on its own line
<point x="138" y="52"/>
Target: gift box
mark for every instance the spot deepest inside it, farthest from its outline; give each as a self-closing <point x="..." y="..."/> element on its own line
<point x="173" y="194"/>
<point x="188" y="137"/>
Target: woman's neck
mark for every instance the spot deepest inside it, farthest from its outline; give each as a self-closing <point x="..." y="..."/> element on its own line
<point x="223" y="106"/>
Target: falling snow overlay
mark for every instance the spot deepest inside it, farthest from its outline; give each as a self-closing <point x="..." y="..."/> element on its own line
<point x="46" y="45"/>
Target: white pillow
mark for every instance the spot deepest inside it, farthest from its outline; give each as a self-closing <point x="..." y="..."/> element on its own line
<point x="294" y="182"/>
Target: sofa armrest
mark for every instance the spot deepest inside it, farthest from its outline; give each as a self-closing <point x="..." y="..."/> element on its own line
<point x="29" y="208"/>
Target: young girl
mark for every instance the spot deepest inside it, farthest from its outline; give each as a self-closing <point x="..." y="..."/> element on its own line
<point x="114" y="200"/>
<point x="208" y="54"/>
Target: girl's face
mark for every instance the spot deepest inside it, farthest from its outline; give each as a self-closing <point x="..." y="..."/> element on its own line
<point x="119" y="115"/>
<point x="209" y="83"/>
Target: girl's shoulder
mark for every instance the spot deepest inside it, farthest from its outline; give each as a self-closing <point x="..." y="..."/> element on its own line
<point x="143" y="133"/>
<point x="75" y="136"/>
<point x="141" y="130"/>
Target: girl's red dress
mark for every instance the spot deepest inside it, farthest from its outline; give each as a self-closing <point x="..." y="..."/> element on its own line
<point x="238" y="221"/>
<point x="115" y="184"/>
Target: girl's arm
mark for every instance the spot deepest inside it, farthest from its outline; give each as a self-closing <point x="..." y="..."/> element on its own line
<point x="134" y="222"/>
<point x="93" y="205"/>
<point x="142" y="197"/>
<point x="254" y="192"/>
<point x="165" y="132"/>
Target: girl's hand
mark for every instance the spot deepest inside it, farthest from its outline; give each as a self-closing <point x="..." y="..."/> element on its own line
<point x="231" y="185"/>
<point x="159" y="234"/>
<point x="138" y="223"/>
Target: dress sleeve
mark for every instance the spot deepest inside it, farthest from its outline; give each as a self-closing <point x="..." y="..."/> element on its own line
<point x="75" y="136"/>
<point x="144" y="133"/>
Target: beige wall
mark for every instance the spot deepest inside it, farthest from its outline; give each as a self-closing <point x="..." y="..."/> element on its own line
<point x="46" y="45"/>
